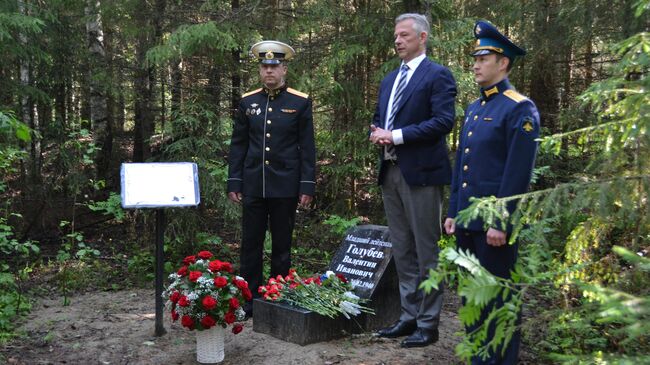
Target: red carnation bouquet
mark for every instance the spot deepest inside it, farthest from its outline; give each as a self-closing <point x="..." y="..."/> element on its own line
<point x="329" y="294"/>
<point x="205" y="293"/>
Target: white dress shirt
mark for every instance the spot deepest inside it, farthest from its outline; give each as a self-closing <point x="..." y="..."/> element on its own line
<point x="412" y="65"/>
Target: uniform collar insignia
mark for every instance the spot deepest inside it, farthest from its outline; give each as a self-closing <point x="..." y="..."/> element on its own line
<point x="488" y="92"/>
<point x="275" y="92"/>
<point x="500" y="87"/>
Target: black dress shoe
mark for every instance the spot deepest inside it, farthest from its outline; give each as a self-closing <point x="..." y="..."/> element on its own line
<point x="421" y="337"/>
<point x="401" y="328"/>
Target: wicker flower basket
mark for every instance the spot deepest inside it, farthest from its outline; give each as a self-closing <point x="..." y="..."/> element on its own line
<point x="209" y="345"/>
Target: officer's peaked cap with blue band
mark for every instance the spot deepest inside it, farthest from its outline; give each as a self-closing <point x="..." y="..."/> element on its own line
<point x="272" y="52"/>
<point x="490" y="40"/>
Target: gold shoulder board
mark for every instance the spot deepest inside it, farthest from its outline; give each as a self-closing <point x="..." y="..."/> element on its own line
<point x="514" y="95"/>
<point x="251" y="92"/>
<point x="296" y="92"/>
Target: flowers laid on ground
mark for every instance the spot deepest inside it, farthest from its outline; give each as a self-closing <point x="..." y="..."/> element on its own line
<point x="205" y="293"/>
<point x="329" y="294"/>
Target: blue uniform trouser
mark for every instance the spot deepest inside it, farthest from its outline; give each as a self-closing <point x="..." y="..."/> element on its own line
<point x="499" y="261"/>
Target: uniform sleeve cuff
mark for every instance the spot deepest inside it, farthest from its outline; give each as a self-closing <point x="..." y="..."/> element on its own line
<point x="307" y="188"/>
<point x="234" y="185"/>
<point x="397" y="137"/>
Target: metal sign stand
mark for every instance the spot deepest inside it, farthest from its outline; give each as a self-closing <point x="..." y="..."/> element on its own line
<point x="160" y="272"/>
<point x="159" y="185"/>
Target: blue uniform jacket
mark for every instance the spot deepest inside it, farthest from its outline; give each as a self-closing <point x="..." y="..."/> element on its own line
<point x="497" y="148"/>
<point x="425" y="115"/>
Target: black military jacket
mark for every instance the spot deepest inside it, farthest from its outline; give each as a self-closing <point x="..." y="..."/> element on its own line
<point x="272" y="151"/>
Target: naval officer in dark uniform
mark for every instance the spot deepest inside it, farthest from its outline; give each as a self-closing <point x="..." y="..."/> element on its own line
<point x="495" y="157"/>
<point x="271" y="163"/>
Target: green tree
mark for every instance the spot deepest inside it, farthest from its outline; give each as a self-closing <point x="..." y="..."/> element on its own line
<point x="606" y="302"/>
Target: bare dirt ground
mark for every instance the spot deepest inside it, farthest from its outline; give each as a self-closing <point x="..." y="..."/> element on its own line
<point x="117" y="328"/>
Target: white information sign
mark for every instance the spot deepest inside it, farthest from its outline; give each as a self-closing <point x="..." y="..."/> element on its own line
<point x="161" y="184"/>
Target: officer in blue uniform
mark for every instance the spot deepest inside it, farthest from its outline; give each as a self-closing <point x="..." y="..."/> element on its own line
<point x="495" y="157"/>
<point x="271" y="163"/>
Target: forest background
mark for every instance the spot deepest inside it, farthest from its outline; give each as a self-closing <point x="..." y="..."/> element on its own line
<point x="87" y="84"/>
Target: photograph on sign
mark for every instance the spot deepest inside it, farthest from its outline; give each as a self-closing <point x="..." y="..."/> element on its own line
<point x="161" y="184"/>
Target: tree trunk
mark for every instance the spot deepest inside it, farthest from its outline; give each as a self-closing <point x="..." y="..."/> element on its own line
<point x="27" y="108"/>
<point x="97" y="65"/>
<point x="235" y="79"/>
<point x="176" y="76"/>
<point x="143" y="117"/>
<point x="142" y="104"/>
<point x="543" y="90"/>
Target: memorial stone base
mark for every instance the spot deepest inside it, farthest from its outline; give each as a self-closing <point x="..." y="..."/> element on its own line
<point x="298" y="325"/>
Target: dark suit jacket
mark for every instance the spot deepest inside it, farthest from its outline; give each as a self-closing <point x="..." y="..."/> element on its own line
<point x="425" y="115"/>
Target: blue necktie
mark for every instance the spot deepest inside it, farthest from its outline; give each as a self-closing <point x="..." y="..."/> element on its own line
<point x="389" y="153"/>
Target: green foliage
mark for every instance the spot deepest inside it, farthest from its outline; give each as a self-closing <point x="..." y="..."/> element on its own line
<point x="9" y="124"/>
<point x="478" y="287"/>
<point x="73" y="248"/>
<point x="602" y="204"/>
<point x="13" y="303"/>
<point x="111" y="207"/>
<point x="141" y="266"/>
<point x="340" y="225"/>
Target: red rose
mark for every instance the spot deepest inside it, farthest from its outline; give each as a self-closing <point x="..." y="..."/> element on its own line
<point x="241" y="284"/>
<point x="205" y="254"/>
<point x="208" y="322"/>
<point x="220" y="281"/>
<point x="247" y="294"/>
<point x="187" y="321"/>
<point x="174" y="316"/>
<point x="209" y="303"/>
<point x="237" y="328"/>
<point x="182" y="271"/>
<point x="189" y="260"/>
<point x="226" y="266"/>
<point x="234" y="303"/>
<point x="230" y="318"/>
<point x="183" y="301"/>
<point x="195" y="275"/>
<point x="175" y="297"/>
<point x="342" y="278"/>
<point x="215" y="265"/>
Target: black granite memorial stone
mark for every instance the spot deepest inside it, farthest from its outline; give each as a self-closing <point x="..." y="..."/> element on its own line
<point x="364" y="258"/>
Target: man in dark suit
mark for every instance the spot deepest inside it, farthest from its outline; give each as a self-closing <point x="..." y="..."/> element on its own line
<point x="495" y="157"/>
<point x="414" y="114"/>
<point x="271" y="164"/>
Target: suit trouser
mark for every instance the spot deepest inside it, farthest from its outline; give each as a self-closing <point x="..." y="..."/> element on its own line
<point x="257" y="214"/>
<point x="413" y="214"/>
<point x="499" y="261"/>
